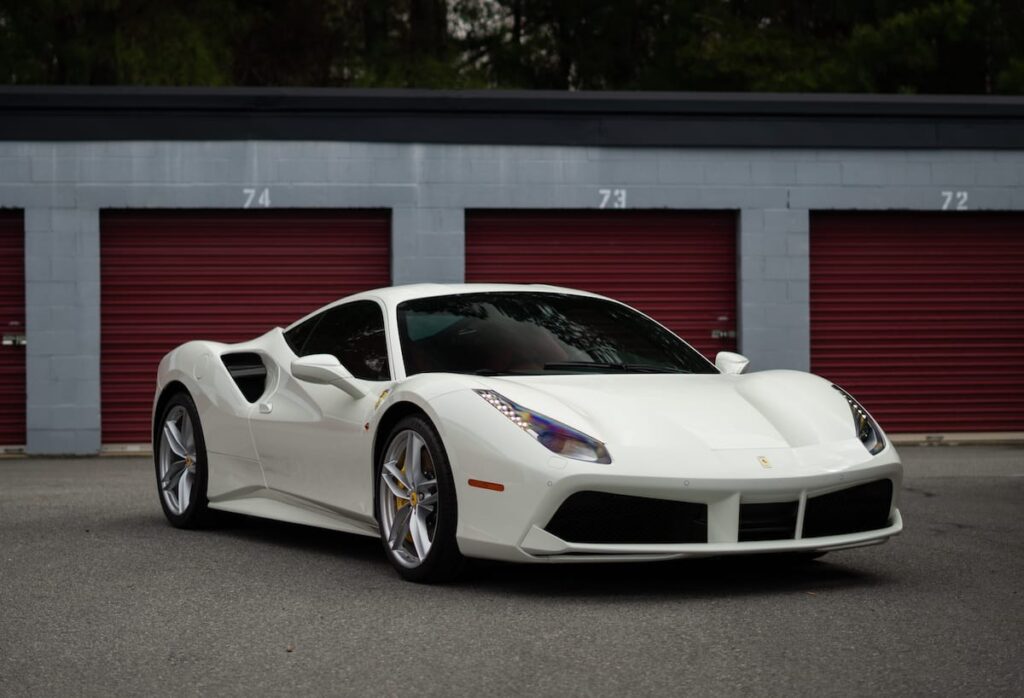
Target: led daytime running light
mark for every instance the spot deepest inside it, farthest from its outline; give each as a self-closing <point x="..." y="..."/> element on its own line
<point x="868" y="431"/>
<point x="556" y="437"/>
<point x="507" y="409"/>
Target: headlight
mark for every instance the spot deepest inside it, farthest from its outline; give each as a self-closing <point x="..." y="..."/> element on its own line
<point x="557" y="437"/>
<point x="867" y="429"/>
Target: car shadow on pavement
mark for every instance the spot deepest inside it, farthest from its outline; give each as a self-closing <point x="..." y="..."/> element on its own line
<point x="297" y="537"/>
<point x="695" y="577"/>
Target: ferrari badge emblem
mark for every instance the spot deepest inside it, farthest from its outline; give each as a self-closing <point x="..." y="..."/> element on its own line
<point x="763" y="460"/>
<point x="381" y="398"/>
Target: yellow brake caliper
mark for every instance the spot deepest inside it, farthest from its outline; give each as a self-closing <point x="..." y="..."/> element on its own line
<point x="399" y="502"/>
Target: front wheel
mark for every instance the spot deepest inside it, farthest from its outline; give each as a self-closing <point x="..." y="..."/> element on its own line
<point x="181" y="470"/>
<point x="416" y="505"/>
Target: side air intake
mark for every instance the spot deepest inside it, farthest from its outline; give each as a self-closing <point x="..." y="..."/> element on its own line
<point x="249" y="373"/>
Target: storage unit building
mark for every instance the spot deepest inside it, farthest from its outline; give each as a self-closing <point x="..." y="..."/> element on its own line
<point x="874" y="240"/>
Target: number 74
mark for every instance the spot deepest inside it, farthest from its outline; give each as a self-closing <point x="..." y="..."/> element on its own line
<point x="250" y="197"/>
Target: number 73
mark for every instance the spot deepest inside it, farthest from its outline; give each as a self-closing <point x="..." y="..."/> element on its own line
<point x="612" y="198"/>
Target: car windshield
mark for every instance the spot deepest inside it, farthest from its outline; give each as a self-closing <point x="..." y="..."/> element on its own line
<point x="515" y="333"/>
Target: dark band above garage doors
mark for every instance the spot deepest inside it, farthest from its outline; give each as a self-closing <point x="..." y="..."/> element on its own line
<point x="921" y="317"/>
<point x="678" y="267"/>
<point x="168" y="277"/>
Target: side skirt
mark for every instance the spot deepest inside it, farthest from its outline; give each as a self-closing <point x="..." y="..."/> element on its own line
<point x="271" y="504"/>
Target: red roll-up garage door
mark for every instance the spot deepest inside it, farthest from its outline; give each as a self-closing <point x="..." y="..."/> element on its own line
<point x="12" y="326"/>
<point x="169" y="277"/>
<point x="678" y="267"/>
<point x="921" y="316"/>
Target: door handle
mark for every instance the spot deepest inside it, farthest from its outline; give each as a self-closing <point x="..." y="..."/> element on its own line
<point x="266" y="408"/>
<point x="723" y="334"/>
<point x="14" y="340"/>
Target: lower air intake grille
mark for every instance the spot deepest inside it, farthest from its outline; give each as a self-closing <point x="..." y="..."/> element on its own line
<point x="861" y="508"/>
<point x="768" y="521"/>
<point x="600" y="517"/>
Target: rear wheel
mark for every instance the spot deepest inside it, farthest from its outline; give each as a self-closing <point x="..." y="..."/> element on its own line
<point x="416" y="505"/>
<point x="180" y="459"/>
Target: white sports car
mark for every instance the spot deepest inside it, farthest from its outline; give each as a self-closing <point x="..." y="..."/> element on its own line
<point x="520" y="423"/>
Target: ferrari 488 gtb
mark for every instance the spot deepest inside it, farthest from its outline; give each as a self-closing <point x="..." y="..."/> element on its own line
<point x="520" y="423"/>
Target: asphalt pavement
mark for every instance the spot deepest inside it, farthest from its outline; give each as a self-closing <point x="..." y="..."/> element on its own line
<point x="99" y="596"/>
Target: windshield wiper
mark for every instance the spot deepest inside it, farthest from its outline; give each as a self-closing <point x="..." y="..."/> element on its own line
<point x="495" y="372"/>
<point x="625" y="368"/>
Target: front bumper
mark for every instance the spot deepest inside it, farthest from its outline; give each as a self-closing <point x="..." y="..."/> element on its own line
<point x="510" y="525"/>
<point x="541" y="546"/>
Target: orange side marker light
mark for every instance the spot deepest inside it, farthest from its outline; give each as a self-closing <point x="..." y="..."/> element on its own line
<point x="484" y="485"/>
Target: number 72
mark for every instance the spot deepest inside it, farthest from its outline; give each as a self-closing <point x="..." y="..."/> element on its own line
<point x="949" y="198"/>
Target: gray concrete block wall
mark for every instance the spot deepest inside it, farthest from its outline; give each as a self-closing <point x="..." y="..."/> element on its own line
<point x="774" y="293"/>
<point x="428" y="188"/>
<point x="424" y="243"/>
<point x="62" y="318"/>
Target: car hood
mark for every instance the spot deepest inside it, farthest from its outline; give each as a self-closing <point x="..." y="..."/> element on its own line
<point x="764" y="410"/>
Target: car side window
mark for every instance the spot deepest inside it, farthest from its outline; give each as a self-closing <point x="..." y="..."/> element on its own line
<point x="297" y="336"/>
<point x="354" y="333"/>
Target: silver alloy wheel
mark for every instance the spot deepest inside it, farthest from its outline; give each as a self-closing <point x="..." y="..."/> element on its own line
<point x="408" y="498"/>
<point x="177" y="460"/>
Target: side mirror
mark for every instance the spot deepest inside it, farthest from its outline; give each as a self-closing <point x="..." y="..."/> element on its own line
<point x="731" y="362"/>
<point x="325" y="369"/>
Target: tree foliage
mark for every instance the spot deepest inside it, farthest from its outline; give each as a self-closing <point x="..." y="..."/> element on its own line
<point x="924" y="46"/>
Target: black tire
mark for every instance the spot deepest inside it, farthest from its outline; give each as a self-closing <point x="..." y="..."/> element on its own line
<point x="443" y="561"/>
<point x="196" y="514"/>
